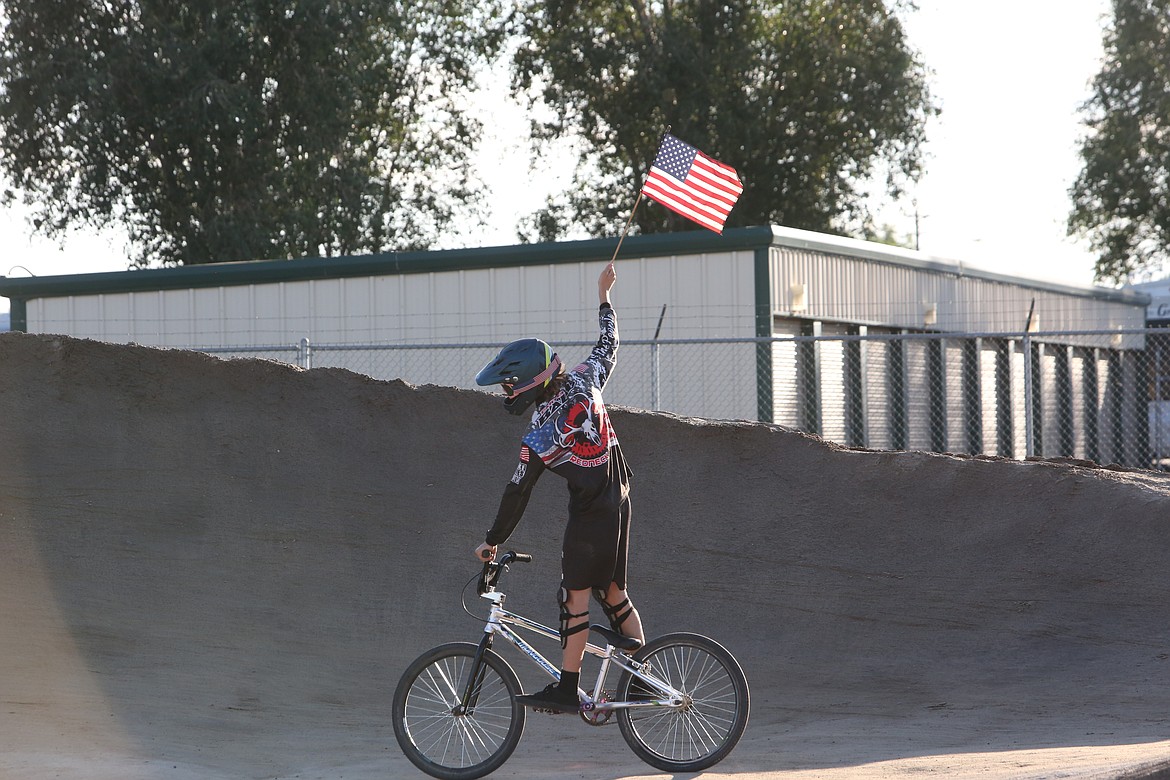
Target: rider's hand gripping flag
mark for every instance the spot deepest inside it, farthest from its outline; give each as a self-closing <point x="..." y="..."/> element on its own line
<point x="690" y="183"/>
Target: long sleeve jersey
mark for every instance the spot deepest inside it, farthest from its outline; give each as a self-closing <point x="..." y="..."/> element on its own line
<point x="571" y="435"/>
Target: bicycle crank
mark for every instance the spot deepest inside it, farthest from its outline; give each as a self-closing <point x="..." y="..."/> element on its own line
<point x="593" y="716"/>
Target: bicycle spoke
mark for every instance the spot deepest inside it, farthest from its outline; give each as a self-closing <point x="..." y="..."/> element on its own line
<point x="707" y="725"/>
<point x="437" y="734"/>
<point x="472" y="738"/>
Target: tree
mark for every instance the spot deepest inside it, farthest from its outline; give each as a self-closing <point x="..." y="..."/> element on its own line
<point x="809" y="100"/>
<point x="1121" y="198"/>
<point x="217" y="130"/>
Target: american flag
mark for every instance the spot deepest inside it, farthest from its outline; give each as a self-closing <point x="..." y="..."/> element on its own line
<point x="688" y="182"/>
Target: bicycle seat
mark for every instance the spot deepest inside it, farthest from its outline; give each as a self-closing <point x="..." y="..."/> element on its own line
<point x="620" y="641"/>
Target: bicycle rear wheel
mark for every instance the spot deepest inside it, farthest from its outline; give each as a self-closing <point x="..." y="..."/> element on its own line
<point x="454" y="746"/>
<point x="703" y="732"/>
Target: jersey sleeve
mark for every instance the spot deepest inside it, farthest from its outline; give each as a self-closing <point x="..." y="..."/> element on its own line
<point x="602" y="359"/>
<point x="515" y="498"/>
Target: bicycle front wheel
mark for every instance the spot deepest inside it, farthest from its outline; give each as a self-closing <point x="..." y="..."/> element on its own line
<point x="436" y="735"/>
<point x="702" y="732"/>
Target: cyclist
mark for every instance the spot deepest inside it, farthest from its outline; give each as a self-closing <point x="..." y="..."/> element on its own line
<point x="571" y="435"/>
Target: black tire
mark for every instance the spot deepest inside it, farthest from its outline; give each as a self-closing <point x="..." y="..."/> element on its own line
<point x="701" y="734"/>
<point x="450" y="746"/>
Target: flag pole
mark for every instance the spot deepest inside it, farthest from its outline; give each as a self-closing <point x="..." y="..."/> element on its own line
<point x="630" y="221"/>
<point x="627" y="229"/>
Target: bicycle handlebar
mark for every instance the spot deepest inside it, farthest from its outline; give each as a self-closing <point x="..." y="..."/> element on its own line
<point x="493" y="569"/>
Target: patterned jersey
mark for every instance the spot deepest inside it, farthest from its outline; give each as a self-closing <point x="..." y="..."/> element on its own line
<point x="571" y="435"/>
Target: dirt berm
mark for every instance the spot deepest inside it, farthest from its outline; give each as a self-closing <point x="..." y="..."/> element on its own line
<point x="219" y="569"/>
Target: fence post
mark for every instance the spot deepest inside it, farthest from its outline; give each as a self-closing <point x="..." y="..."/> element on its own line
<point x="936" y="393"/>
<point x="655" y="381"/>
<point x="305" y="354"/>
<point x="899" y="379"/>
<point x="1029" y="423"/>
<point x="655" y="400"/>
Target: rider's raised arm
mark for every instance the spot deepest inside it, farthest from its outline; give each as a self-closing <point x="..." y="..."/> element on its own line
<point x="604" y="355"/>
<point x="515" y="498"/>
<point x="605" y="282"/>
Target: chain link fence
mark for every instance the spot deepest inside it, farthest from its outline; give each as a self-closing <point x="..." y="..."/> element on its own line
<point x="1101" y="396"/>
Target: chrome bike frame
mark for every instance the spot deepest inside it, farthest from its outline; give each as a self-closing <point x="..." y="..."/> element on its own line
<point x="501" y="622"/>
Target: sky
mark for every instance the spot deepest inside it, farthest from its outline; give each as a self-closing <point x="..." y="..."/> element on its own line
<point x="1010" y="76"/>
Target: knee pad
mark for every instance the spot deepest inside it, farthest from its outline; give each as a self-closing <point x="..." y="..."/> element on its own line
<point x="566" y="616"/>
<point x="617" y="613"/>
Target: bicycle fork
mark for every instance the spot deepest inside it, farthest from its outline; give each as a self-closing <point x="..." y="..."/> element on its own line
<point x="470" y="698"/>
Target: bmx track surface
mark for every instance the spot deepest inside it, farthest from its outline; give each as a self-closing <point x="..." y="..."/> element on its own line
<point x="218" y="569"/>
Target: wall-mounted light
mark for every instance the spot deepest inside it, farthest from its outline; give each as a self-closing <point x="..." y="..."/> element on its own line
<point x="930" y="314"/>
<point x="798" y="294"/>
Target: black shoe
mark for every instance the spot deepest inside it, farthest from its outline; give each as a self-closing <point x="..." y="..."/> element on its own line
<point x="552" y="698"/>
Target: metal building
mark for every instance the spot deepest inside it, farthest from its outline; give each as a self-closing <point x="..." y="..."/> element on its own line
<point x="1158" y="360"/>
<point x="862" y="343"/>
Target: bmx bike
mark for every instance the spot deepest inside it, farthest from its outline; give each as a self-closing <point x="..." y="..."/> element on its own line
<point x="681" y="701"/>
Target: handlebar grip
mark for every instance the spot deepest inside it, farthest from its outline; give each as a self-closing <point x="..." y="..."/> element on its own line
<point x="522" y="557"/>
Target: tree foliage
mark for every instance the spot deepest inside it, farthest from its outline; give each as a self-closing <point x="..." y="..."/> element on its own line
<point x="811" y="100"/>
<point x="1121" y="198"/>
<point x="216" y="130"/>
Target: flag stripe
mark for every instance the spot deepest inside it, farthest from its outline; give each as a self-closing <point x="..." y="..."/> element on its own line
<point x="703" y="219"/>
<point x="715" y="201"/>
<point x="717" y="189"/>
<point x="719" y="170"/>
<point x="699" y="177"/>
<point x="717" y="178"/>
<point x="695" y="195"/>
<point x="688" y="209"/>
<point x="714" y="193"/>
<point x="657" y="186"/>
<point x="730" y="171"/>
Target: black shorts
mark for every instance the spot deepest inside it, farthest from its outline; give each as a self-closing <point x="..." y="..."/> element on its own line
<point x="596" y="549"/>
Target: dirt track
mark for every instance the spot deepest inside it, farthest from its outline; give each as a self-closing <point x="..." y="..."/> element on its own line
<point x="218" y="569"/>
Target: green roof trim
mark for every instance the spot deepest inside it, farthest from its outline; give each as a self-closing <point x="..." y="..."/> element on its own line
<point x="597" y="249"/>
<point x="383" y="264"/>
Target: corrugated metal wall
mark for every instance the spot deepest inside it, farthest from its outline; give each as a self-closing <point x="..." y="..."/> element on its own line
<point x="954" y="393"/>
<point x="707" y="295"/>
<point x="959" y="394"/>
<point x="879" y="291"/>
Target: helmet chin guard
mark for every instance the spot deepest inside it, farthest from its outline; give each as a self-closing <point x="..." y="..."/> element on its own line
<point x="518" y="404"/>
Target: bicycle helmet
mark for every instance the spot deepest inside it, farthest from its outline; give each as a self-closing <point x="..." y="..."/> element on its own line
<point x="524" y="368"/>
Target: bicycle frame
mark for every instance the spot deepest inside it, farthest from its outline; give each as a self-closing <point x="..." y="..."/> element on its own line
<point x="502" y="622"/>
<point x="683" y="700"/>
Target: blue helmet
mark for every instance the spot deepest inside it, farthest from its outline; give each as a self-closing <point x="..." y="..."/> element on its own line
<point x="524" y="368"/>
